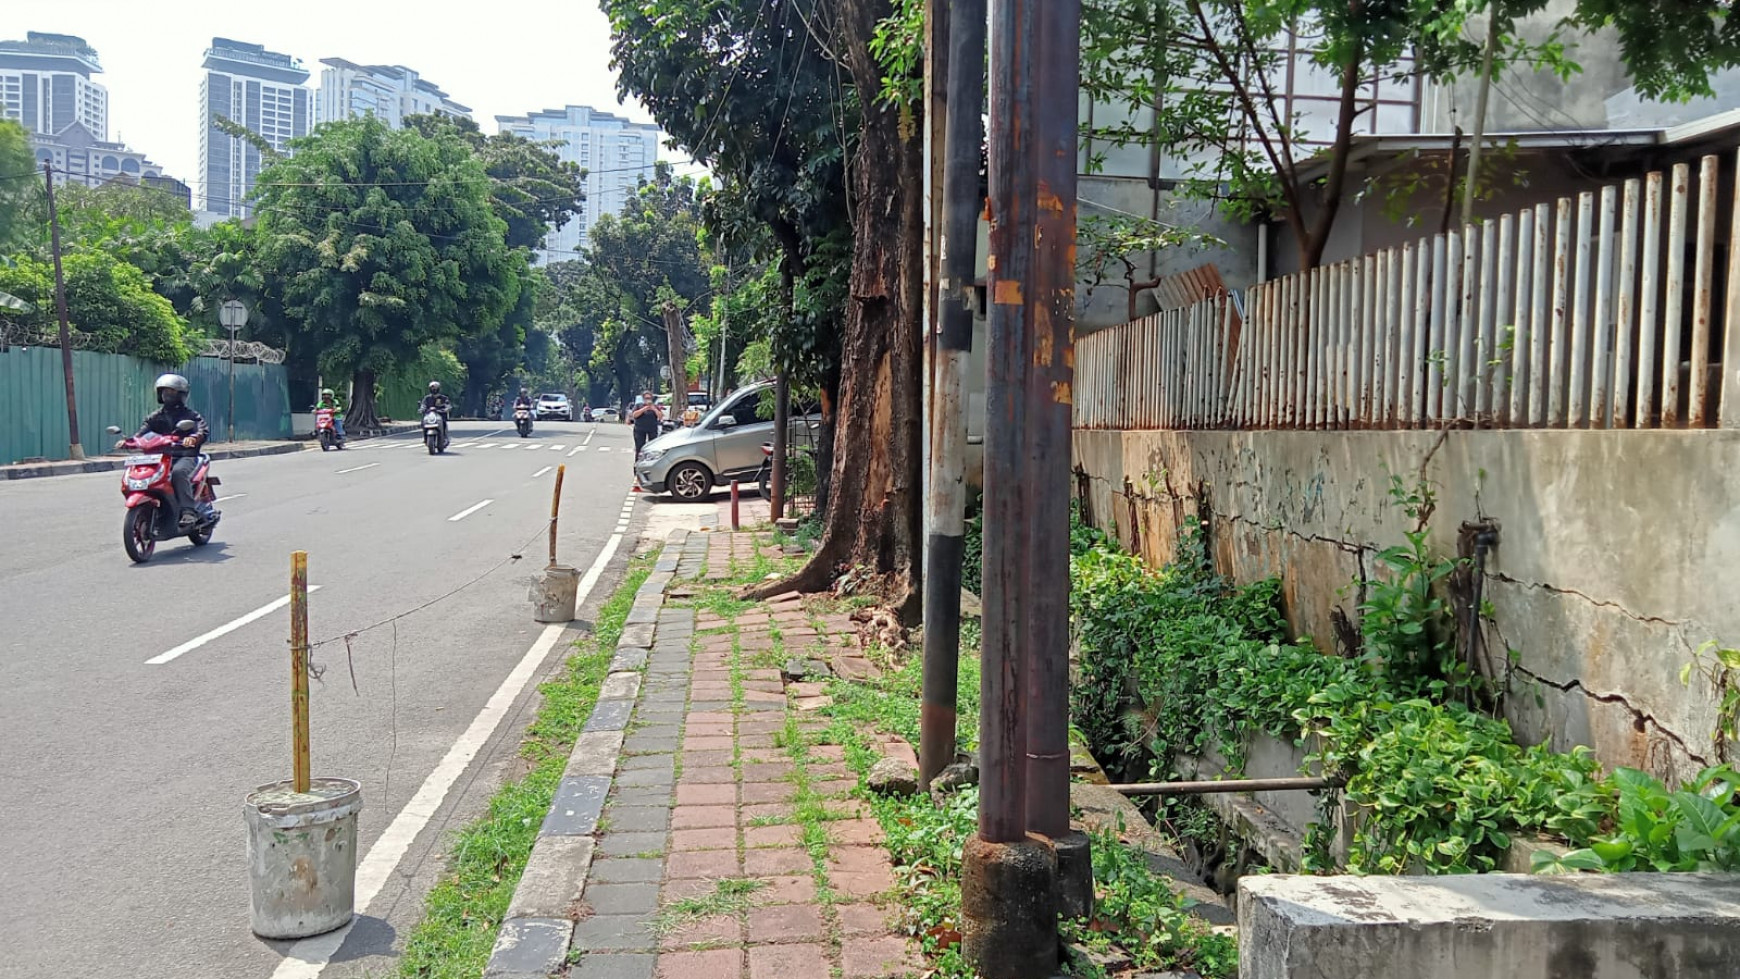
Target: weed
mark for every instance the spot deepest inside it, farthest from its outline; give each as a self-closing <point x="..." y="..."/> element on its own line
<point x="729" y="896"/>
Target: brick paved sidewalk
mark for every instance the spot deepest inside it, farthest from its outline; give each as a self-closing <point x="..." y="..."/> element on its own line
<point x="731" y="846"/>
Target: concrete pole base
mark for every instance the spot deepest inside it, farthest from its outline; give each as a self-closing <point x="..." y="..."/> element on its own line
<point x="1009" y="909"/>
<point x="1075" y="875"/>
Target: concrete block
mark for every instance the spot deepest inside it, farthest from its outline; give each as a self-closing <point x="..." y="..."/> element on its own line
<point x="529" y="947"/>
<point x="637" y="634"/>
<point x="615" y="933"/>
<point x="615" y="965"/>
<point x="554" y="878"/>
<point x="595" y="753"/>
<point x="628" y="658"/>
<point x="639" y="614"/>
<point x="1587" y="926"/>
<point x="610" y="715"/>
<point x="574" y="811"/>
<point x="620" y="686"/>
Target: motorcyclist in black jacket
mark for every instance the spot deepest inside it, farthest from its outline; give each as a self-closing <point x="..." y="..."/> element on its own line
<point x="172" y="392"/>
<point x="435" y="401"/>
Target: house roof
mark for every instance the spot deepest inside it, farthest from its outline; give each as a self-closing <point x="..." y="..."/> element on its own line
<point x="1367" y="147"/>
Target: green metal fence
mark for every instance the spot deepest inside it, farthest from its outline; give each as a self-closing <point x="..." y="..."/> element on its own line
<point x="114" y="389"/>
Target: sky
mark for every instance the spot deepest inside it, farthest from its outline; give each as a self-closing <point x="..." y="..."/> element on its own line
<point x="506" y="60"/>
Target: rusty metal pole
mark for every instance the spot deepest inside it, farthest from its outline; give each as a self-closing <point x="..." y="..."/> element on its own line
<point x="946" y="501"/>
<point x="76" y="448"/>
<point x="736" y="521"/>
<point x="781" y="438"/>
<point x="555" y="511"/>
<point x="299" y="739"/>
<point x="1047" y="390"/>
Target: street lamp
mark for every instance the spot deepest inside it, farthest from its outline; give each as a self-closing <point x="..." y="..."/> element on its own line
<point x="233" y="316"/>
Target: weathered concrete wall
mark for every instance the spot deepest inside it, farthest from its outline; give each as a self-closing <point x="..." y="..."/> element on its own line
<point x="1615" y="563"/>
<point x="1596" y="926"/>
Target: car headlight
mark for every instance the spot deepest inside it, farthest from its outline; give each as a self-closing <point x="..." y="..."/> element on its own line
<point x="650" y="456"/>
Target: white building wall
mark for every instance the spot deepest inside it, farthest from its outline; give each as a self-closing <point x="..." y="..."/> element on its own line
<point x="615" y="153"/>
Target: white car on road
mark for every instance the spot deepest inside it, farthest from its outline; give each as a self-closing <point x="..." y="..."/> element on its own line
<point x="554" y="406"/>
<point x="606" y="415"/>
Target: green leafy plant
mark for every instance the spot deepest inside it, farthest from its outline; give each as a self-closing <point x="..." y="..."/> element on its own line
<point x="1136" y="911"/>
<point x="1717" y="665"/>
<point x="1695" y="828"/>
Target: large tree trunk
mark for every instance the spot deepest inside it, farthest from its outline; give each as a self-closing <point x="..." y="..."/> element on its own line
<point x="359" y="415"/>
<point x="873" y="516"/>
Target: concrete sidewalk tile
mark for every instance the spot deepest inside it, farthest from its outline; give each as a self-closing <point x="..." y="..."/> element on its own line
<point x="626" y="870"/>
<point x="610" y="715"/>
<point x="855" y="832"/>
<point x="721" y="929"/>
<point x="711" y="717"/>
<point x="703" y="817"/>
<point x="639" y="614"/>
<point x="529" y="947"/>
<point x="877" y="958"/>
<point x="718" y="963"/>
<point x="649" y="763"/>
<point x="615" y="933"/>
<point x="861" y="885"/>
<point x="638" y="819"/>
<point x="620" y="686"/>
<point x="712" y="758"/>
<point x="768" y="792"/>
<point x="766" y="755"/>
<point x="786" y="923"/>
<point x="711" y="864"/>
<point x="711" y="838"/>
<point x="807" y="961"/>
<point x="622" y="898"/>
<point x="765" y="836"/>
<point x="626" y="844"/>
<point x="554" y="876"/>
<point x="647" y="778"/>
<point x="693" y="794"/>
<point x="858" y="859"/>
<point x="686" y="888"/>
<point x="764" y="814"/>
<point x="643" y="795"/>
<point x="595" y="753"/>
<point x="574" y="811"/>
<point x="712" y="743"/>
<point x="709" y="775"/>
<point x="862" y="919"/>
<point x="638" y="634"/>
<point x="777" y="862"/>
<point x="615" y="965"/>
<point x="648" y="741"/>
<point x="785" y="890"/>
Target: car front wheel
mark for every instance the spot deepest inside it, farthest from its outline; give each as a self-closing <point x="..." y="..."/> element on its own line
<point x="690" y="482"/>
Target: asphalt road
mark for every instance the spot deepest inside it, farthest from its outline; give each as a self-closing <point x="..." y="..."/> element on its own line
<point x="121" y="781"/>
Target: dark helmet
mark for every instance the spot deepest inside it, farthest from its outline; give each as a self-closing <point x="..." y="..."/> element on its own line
<point x="434" y="387"/>
<point x="175" y="385"/>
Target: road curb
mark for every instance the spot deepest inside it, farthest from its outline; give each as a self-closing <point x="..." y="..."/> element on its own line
<point x="535" y="935"/>
<point x="69" y="467"/>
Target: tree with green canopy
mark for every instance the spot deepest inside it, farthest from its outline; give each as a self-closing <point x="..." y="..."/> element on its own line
<point x="380" y="242"/>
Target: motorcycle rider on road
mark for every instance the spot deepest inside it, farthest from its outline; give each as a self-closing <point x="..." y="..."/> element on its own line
<point x="172" y="395"/>
<point x="523" y="401"/>
<point x="435" y="401"/>
<point x="330" y="400"/>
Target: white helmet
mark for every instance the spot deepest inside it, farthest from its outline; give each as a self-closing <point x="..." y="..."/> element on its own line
<point x="172" y="382"/>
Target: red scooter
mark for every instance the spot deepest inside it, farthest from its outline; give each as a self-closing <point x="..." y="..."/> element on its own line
<point x="326" y="431"/>
<point x="150" y="495"/>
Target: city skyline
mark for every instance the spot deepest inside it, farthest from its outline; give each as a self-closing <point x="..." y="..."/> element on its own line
<point x="152" y="67"/>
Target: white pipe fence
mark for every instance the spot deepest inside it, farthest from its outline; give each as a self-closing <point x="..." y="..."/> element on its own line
<point x="1598" y="312"/>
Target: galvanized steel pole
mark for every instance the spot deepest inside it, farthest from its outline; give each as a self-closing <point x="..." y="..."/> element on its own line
<point x="946" y="501"/>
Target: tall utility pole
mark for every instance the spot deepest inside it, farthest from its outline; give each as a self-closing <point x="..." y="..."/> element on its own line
<point x="1024" y="866"/>
<point x="946" y="502"/>
<point x="935" y="72"/>
<point x="77" y="449"/>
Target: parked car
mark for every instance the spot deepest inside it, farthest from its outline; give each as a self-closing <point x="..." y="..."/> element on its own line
<point x="724" y="445"/>
<point x="606" y="415"/>
<point x="554" y="406"/>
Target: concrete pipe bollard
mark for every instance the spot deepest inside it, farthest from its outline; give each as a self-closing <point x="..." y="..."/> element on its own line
<point x="553" y="595"/>
<point x="302" y="857"/>
<point x="1009" y="908"/>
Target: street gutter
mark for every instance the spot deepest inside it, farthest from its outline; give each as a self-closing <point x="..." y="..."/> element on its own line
<point x="74" y="467"/>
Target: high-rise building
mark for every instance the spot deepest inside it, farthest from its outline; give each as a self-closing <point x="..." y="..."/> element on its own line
<point x="45" y="84"/>
<point x="615" y="153"/>
<point x="387" y="92"/>
<point x="254" y="88"/>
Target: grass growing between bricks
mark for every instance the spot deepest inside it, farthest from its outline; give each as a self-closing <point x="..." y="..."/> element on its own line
<point x="464" y="910"/>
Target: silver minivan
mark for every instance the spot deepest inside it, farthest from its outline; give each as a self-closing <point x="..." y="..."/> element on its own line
<point x="724" y="445"/>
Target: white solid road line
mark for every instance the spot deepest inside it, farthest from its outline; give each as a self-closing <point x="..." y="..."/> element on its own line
<point x="542" y="471"/>
<point x="355" y="469"/>
<point x="223" y="630"/>
<point x="468" y="511"/>
<point x="309" y="957"/>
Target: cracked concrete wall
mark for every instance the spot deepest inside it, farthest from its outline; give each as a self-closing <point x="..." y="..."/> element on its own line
<point x="1614" y="563"/>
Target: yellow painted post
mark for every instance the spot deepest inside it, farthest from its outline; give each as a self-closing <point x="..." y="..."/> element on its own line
<point x="555" y="507"/>
<point x="299" y="668"/>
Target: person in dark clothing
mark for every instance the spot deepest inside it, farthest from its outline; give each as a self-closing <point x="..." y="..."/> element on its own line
<point x="645" y="417"/>
<point x="435" y="401"/>
<point x="172" y="390"/>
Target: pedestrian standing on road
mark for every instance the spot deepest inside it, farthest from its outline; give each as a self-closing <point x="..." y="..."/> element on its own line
<point x="172" y="390"/>
<point x="645" y="418"/>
